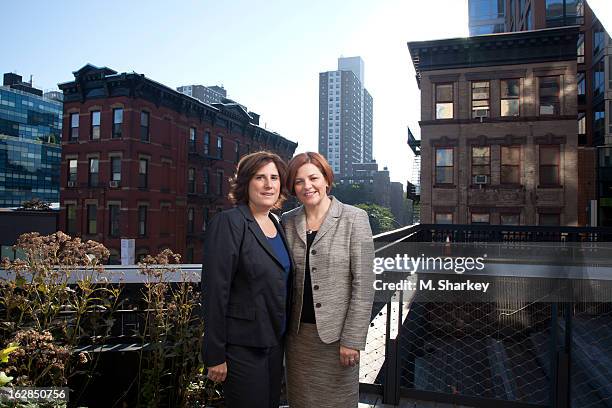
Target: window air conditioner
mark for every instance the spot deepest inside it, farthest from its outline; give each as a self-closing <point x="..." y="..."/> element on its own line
<point x="481" y="179"/>
<point x="113" y="184"/>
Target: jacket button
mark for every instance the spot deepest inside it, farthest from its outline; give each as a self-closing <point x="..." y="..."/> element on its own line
<point x="318" y="305"/>
<point x="316" y="287"/>
<point x="313" y="252"/>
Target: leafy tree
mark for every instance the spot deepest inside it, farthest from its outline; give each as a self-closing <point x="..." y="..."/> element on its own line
<point x="349" y="193"/>
<point x="381" y="218"/>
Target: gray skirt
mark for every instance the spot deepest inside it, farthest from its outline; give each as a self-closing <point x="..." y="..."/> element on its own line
<point x="315" y="378"/>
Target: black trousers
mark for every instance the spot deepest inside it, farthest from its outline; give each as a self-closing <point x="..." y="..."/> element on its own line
<point x="254" y="376"/>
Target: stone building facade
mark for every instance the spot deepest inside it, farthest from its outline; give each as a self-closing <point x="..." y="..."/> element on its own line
<point x="498" y="124"/>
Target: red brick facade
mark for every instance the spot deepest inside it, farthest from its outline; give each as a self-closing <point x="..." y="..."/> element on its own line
<point x="176" y="205"/>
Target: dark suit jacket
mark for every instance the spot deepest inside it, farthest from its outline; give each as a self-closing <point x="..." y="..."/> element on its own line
<point x="245" y="299"/>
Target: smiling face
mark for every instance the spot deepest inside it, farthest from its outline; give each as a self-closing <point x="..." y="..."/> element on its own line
<point x="265" y="187"/>
<point x="310" y="185"/>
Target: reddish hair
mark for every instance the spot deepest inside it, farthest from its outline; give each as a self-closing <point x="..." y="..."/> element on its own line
<point x="247" y="167"/>
<point x="309" y="157"/>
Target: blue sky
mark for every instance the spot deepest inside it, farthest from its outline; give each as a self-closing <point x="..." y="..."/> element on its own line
<point x="267" y="54"/>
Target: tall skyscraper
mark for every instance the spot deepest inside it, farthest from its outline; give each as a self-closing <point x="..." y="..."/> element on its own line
<point x="30" y="150"/>
<point x="345" y="116"/>
<point x="487" y="16"/>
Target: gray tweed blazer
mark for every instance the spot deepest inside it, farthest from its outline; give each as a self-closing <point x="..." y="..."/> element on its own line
<point x="341" y="272"/>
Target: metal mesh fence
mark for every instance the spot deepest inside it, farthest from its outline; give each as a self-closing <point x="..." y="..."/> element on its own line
<point x="591" y="355"/>
<point x="477" y="349"/>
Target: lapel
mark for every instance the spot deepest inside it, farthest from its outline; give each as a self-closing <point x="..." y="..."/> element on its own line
<point x="331" y="218"/>
<point x="284" y="237"/>
<point x="258" y="233"/>
<point x="300" y="224"/>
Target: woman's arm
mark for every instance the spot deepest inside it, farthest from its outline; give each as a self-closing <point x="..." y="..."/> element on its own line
<point x="361" y="254"/>
<point x="221" y="254"/>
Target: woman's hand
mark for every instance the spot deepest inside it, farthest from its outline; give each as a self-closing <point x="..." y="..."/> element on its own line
<point x="217" y="373"/>
<point x="348" y="357"/>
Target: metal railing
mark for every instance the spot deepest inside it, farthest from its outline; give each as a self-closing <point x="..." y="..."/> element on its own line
<point x="502" y="353"/>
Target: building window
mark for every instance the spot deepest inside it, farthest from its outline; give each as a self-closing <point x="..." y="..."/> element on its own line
<point x="95" y="125"/>
<point x="580" y="48"/>
<point x="205" y="212"/>
<point x="219" y="183"/>
<point x="598" y="39"/>
<point x="444" y="165"/>
<point x="599" y="124"/>
<point x="510" y="165"/>
<point x="116" y="169"/>
<point x="549" y="95"/>
<point x="443" y="218"/>
<point x="144" y="126"/>
<point x="481" y="161"/>
<point x="237" y="151"/>
<point x="114" y="210"/>
<point x="599" y="78"/>
<point x="92" y="219"/>
<point x="192" y="139"/>
<point x="143" y="173"/>
<point x="190" y="220"/>
<point x="142" y="220"/>
<point x="206" y="143"/>
<point x="549" y="165"/>
<point x="71" y="219"/>
<point x="480" y="99"/>
<point x="206" y="183"/>
<point x="72" y="170"/>
<point x="444" y="101"/>
<point x="94" y="168"/>
<point x="480" y="218"/>
<point x="219" y="147"/>
<point x="581" y="88"/>
<point x="191" y="180"/>
<point x="117" y="122"/>
<point x="581" y="125"/>
<point x="165" y="220"/>
<point x="551" y="220"/>
<point x="510" y="97"/>
<point x="74" y="127"/>
<point x="509" y="219"/>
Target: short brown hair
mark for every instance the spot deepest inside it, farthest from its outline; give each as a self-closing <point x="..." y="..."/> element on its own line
<point x="309" y="157"/>
<point x="246" y="169"/>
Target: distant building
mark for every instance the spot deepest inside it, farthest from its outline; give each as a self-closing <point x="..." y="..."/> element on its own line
<point x="487" y="16"/>
<point x="143" y="161"/>
<point x="345" y="116"/>
<point x="30" y="150"/>
<point x="499" y="142"/>
<point x="206" y="94"/>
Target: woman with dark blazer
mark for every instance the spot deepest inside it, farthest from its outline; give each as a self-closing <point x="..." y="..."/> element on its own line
<point x="246" y="286"/>
<point x="333" y="251"/>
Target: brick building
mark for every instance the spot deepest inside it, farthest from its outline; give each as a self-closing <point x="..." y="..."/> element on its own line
<point x="593" y="82"/>
<point x="143" y="161"/>
<point x="499" y="141"/>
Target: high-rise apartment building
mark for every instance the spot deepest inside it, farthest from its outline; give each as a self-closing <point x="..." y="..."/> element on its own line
<point x="487" y="16"/>
<point x="142" y="161"/>
<point x="206" y="94"/>
<point x="30" y="150"/>
<point x="345" y="116"/>
<point x="594" y="89"/>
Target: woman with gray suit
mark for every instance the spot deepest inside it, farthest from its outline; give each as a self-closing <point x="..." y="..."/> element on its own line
<point x="333" y="292"/>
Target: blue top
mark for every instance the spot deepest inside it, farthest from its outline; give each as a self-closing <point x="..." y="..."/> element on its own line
<point x="278" y="246"/>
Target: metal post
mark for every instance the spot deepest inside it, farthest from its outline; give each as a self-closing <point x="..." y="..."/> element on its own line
<point x="391" y="385"/>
